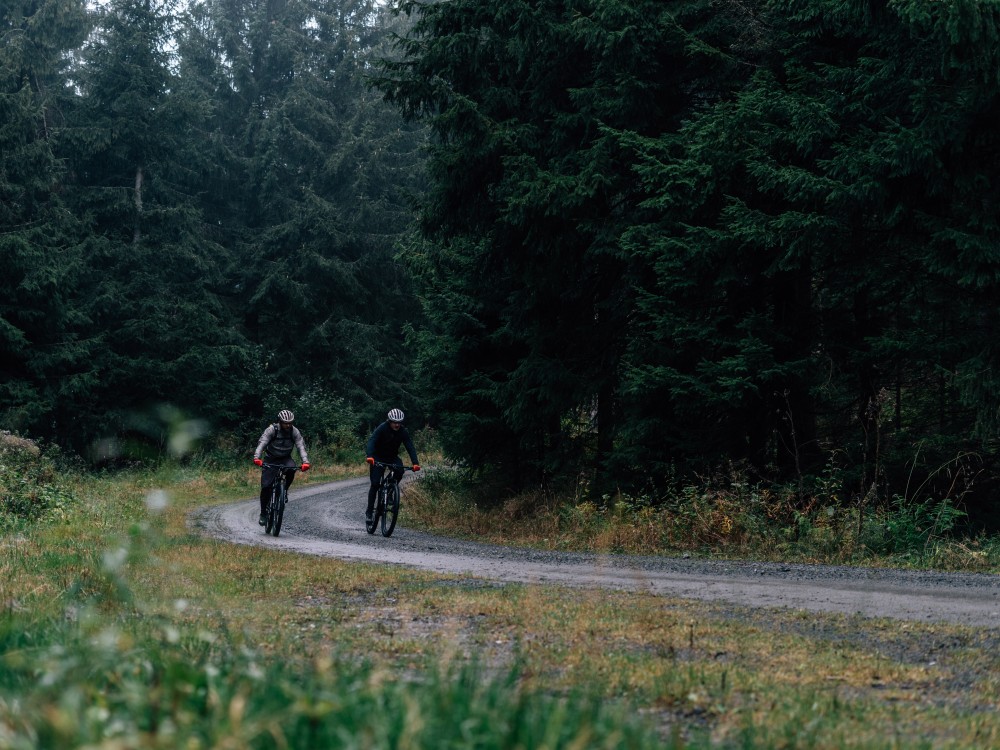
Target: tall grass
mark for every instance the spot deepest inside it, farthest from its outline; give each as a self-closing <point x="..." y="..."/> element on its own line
<point x="98" y="648"/>
<point x="112" y="684"/>
<point x="725" y="517"/>
<point x="122" y="628"/>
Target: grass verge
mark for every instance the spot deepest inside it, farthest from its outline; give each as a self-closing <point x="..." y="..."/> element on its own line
<point x="728" y="519"/>
<point x="121" y="628"/>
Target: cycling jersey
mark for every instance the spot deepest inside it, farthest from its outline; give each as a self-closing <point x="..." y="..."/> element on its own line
<point x="385" y="442"/>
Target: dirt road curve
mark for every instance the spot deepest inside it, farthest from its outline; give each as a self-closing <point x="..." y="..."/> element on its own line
<point x="329" y="520"/>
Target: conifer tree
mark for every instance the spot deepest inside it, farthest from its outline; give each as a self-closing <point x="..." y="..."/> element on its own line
<point x="41" y="349"/>
<point x="318" y="169"/>
<point x="823" y="255"/>
<point x="528" y="293"/>
<point x="153" y="274"/>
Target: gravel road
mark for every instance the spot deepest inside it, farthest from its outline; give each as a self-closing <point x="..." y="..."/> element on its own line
<point x="328" y="520"/>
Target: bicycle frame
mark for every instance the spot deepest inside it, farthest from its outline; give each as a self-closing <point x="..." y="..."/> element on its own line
<point x="386" y="509"/>
<point x="279" y="497"/>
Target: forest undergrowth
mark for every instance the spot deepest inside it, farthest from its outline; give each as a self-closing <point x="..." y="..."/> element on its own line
<point x="725" y="516"/>
<point x="121" y="627"/>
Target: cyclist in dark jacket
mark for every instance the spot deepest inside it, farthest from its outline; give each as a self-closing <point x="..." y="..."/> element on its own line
<point x="383" y="446"/>
<point x="275" y="446"/>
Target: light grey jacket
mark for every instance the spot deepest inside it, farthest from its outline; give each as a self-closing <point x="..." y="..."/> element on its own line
<point x="279" y="444"/>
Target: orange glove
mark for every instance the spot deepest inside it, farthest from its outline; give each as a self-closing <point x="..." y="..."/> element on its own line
<point x="305" y="467"/>
<point x="258" y="462"/>
<point x="370" y="460"/>
<point x="416" y="467"/>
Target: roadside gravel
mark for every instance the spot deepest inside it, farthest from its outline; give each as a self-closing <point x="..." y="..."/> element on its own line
<point x="328" y="520"/>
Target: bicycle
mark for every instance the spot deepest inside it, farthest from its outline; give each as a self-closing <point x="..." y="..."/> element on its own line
<point x="279" y="497"/>
<point x="386" y="500"/>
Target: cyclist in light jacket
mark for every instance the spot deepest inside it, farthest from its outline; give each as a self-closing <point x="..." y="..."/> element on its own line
<point x="276" y="444"/>
<point x="383" y="446"/>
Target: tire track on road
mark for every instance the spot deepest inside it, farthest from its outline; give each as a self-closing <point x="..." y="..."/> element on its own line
<point x="328" y="520"/>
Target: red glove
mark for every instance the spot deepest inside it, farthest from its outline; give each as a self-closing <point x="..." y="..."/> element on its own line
<point x="416" y="467"/>
<point x="258" y="462"/>
<point x="305" y="467"/>
<point x="370" y="460"/>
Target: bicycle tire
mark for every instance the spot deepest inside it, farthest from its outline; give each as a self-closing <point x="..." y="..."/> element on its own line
<point x="391" y="509"/>
<point x="269" y="513"/>
<point x="279" y="510"/>
<point x="371" y="525"/>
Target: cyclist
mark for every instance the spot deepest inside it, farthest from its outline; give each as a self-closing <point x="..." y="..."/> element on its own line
<point x="276" y="445"/>
<point x="383" y="446"/>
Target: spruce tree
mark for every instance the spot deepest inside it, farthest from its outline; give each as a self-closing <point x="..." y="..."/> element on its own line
<point x="824" y="251"/>
<point x="528" y="291"/>
<point x="318" y="171"/>
<point x="153" y="280"/>
<point x="43" y="347"/>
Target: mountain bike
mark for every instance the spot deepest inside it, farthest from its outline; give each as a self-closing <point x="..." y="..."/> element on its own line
<point x="386" y="501"/>
<point x="279" y="497"/>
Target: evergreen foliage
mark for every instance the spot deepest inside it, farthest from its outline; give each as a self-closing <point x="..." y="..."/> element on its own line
<point x="318" y="172"/>
<point x="151" y="274"/>
<point x="41" y="344"/>
<point x="651" y="238"/>
<point x="528" y="294"/>
<point x="201" y="203"/>
<point x="841" y="215"/>
<point x="761" y="233"/>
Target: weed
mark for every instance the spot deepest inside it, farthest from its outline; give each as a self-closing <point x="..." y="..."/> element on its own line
<point x="30" y="488"/>
<point x="120" y="628"/>
<point x="723" y="516"/>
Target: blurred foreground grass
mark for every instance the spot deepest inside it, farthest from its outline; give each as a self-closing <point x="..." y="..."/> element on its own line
<point x="120" y="628"/>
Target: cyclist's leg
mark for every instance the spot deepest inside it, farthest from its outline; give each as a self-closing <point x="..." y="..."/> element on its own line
<point x="267" y="477"/>
<point x="375" y="475"/>
<point x="265" y="496"/>
<point x="289" y="476"/>
<point x="397" y="470"/>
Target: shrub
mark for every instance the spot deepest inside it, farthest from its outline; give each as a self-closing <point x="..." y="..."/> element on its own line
<point x="29" y="485"/>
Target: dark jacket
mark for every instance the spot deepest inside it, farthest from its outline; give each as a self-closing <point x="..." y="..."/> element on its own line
<point x="384" y="444"/>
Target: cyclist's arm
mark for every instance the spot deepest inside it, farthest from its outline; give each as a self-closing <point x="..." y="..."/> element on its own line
<point x="410" y="449"/>
<point x="372" y="441"/>
<point x="301" y="445"/>
<point x="265" y="438"/>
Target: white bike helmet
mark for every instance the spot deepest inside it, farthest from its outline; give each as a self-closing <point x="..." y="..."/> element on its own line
<point x="286" y="416"/>
<point x="395" y="415"/>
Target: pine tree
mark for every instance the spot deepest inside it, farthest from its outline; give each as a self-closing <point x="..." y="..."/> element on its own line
<point x="317" y="181"/>
<point x="528" y="292"/>
<point x="154" y="275"/>
<point x="41" y="349"/>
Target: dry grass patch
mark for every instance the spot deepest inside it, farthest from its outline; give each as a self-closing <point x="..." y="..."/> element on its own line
<point x="750" y="678"/>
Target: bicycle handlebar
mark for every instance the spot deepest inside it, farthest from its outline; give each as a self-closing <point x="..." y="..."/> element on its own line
<point x="393" y="466"/>
<point x="281" y="466"/>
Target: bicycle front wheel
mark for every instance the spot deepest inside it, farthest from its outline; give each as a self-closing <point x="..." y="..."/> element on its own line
<point x="269" y="515"/>
<point x="391" y="509"/>
<point x="372" y="523"/>
<point x="279" y="509"/>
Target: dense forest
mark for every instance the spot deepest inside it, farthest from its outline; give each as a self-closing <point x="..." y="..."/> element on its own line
<point x="596" y="239"/>
<point x="200" y="210"/>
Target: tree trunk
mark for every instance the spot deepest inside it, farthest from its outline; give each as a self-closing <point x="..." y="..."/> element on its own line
<point x="137" y="232"/>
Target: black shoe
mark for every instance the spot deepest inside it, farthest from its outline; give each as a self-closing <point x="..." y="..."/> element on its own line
<point x="368" y="515"/>
<point x="262" y="520"/>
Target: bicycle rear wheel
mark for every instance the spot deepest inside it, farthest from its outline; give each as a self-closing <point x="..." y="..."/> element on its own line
<point x="279" y="509"/>
<point x="391" y="509"/>
<point x="372" y="523"/>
